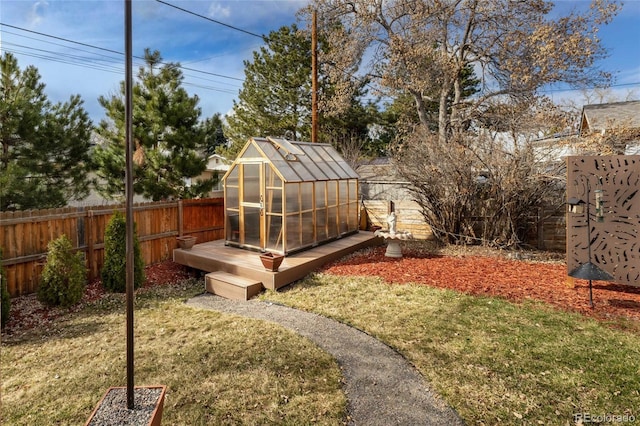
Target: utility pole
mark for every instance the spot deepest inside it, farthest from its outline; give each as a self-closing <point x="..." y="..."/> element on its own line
<point x="314" y="77"/>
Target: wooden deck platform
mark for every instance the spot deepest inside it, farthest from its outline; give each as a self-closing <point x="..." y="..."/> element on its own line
<point x="215" y="256"/>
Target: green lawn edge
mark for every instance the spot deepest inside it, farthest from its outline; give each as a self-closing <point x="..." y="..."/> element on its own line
<point x="219" y="368"/>
<point x="493" y="361"/>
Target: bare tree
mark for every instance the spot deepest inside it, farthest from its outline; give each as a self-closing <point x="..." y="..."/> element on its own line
<point x="421" y="47"/>
<point x="480" y="160"/>
<point x="486" y="189"/>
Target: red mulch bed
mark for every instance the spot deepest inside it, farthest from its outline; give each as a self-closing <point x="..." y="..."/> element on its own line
<point x="514" y="280"/>
<point x="27" y="312"/>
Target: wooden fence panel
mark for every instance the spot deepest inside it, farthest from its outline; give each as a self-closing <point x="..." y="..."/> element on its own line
<point x="408" y="213"/>
<point x="24" y="236"/>
<point x="204" y="219"/>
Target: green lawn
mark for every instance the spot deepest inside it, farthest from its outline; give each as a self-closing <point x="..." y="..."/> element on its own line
<point x="219" y="369"/>
<point x="493" y="361"/>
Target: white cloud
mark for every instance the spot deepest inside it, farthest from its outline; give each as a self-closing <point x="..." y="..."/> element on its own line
<point x="35" y="13"/>
<point x="218" y="11"/>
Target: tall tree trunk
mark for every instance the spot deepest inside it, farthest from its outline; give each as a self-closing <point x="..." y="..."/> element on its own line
<point x="443" y="116"/>
<point x="420" y="106"/>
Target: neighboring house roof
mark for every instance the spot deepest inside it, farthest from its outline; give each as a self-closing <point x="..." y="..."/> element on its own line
<point x="217" y="163"/>
<point x="600" y="117"/>
<point x="379" y="170"/>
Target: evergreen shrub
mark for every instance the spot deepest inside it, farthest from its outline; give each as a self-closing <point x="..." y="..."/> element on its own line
<point x="115" y="256"/>
<point x="64" y="275"/>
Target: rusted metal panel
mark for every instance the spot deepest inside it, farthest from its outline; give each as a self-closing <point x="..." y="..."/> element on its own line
<point x="614" y="243"/>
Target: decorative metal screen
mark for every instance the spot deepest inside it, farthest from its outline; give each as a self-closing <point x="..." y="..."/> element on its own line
<point x="609" y="187"/>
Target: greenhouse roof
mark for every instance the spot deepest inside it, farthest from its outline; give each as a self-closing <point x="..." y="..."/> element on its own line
<point x="301" y="161"/>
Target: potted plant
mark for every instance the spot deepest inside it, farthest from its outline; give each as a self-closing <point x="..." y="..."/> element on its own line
<point x="271" y="261"/>
<point x="112" y="408"/>
<point x="186" y="242"/>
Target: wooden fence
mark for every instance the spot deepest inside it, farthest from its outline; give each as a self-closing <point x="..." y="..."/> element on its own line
<point x="547" y="229"/>
<point x="24" y="235"/>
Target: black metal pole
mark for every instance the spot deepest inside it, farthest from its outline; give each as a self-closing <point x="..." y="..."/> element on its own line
<point x="128" y="110"/>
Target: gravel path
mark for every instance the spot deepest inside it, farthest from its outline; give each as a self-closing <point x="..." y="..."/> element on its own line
<point x="382" y="388"/>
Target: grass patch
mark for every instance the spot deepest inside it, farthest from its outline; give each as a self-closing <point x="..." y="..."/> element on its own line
<point x="493" y="361"/>
<point x="219" y="369"/>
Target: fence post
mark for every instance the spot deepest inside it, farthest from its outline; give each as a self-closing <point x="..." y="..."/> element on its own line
<point x="180" y="219"/>
<point x="540" y="222"/>
<point x="89" y="242"/>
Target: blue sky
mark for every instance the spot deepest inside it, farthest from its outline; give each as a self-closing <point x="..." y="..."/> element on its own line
<point x="68" y="68"/>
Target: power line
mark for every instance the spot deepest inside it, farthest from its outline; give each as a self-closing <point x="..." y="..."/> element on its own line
<point x="62" y="39"/>
<point x="56" y="44"/>
<point x="114" y="51"/>
<point x="212" y="20"/>
<point x="637" y="83"/>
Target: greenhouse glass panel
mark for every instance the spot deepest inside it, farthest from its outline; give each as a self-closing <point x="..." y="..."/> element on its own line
<point x="274" y="233"/>
<point x="321" y="200"/>
<point x="232" y="201"/>
<point x="272" y="180"/>
<point x="251" y="220"/>
<point x="332" y="193"/>
<point x="251" y="182"/>
<point x="251" y="152"/>
<point x="233" y="226"/>
<point x="306" y="195"/>
<point x="343" y="193"/>
<point x="232" y="178"/>
<point x="344" y="218"/>
<point x="332" y="222"/>
<point x="347" y="171"/>
<point x="353" y="190"/>
<point x="293" y="201"/>
<point x="302" y="171"/>
<point x="307" y="229"/>
<point x="293" y="232"/>
<point x="273" y="200"/>
<point x="331" y="164"/>
<point x="315" y="171"/>
<point x="321" y="225"/>
<point x="269" y="150"/>
<point x="315" y="154"/>
<point x="353" y="216"/>
<point x="288" y="174"/>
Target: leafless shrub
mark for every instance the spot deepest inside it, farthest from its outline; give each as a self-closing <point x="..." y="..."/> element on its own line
<point x="478" y="189"/>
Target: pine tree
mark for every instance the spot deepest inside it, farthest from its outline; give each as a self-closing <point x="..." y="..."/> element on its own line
<point x="45" y="159"/>
<point x="275" y="99"/>
<point x="169" y="140"/>
<point x="214" y="137"/>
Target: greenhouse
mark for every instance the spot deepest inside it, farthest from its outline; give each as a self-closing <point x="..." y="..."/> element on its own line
<point x="283" y="196"/>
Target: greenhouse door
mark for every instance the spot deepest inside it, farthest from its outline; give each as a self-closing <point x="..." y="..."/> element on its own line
<point x="252" y="205"/>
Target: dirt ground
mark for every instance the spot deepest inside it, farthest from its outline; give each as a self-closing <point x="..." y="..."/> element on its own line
<point x="27" y="312"/>
<point x="514" y="276"/>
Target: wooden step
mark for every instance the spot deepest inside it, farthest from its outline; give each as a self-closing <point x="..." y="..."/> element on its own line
<point x="231" y="286"/>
